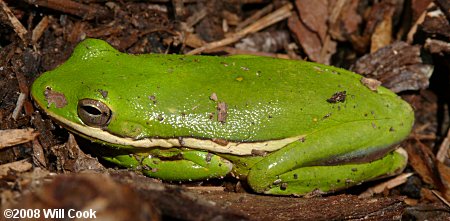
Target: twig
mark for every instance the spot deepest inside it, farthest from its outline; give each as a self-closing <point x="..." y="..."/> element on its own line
<point x="178" y="5"/>
<point x="255" y="16"/>
<point x="206" y="188"/>
<point x="195" y="18"/>
<point x="276" y="16"/>
<point x="18" y="27"/>
<point x="440" y="197"/>
<point x="71" y="7"/>
<point x="19" y="105"/>
<point x="413" y="29"/>
<point x="39" y="29"/>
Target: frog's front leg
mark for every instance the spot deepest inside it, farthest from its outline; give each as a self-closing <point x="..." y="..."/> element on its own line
<point x="177" y="165"/>
<point x="327" y="160"/>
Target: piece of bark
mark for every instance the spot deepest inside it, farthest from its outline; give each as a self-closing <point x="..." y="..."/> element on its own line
<point x="436" y="23"/>
<point x="334" y="207"/>
<point x="39" y="30"/>
<point x="38" y="155"/>
<point x="13" y="137"/>
<point x="422" y="161"/>
<point x="382" y="35"/>
<point x="426" y="211"/>
<point x="435" y="46"/>
<point x="444" y="5"/>
<point x="398" y="66"/>
<point x="18" y="166"/>
<point x="178" y="5"/>
<point x="387" y="185"/>
<point x="413" y="30"/>
<point x="70" y="158"/>
<point x="444" y="175"/>
<point x="443" y="153"/>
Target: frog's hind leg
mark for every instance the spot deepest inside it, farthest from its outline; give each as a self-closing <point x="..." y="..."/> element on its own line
<point x="329" y="159"/>
<point x="324" y="179"/>
<point x="188" y="165"/>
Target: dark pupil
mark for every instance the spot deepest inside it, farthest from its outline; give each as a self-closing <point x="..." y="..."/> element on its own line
<point x="92" y="110"/>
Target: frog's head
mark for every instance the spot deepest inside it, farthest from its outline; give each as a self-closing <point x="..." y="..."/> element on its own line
<point x="77" y="93"/>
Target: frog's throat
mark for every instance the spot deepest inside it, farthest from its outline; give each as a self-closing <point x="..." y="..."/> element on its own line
<point x="234" y="148"/>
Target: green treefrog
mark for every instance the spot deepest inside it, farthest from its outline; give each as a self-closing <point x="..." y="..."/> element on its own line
<point x="283" y="127"/>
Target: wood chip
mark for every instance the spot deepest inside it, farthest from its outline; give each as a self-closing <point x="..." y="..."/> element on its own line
<point x="444" y="175"/>
<point x="380" y="188"/>
<point x="435" y="46"/>
<point x="442" y="153"/>
<point x="19" y="166"/>
<point x="39" y="29"/>
<point x="422" y="160"/>
<point x="382" y="35"/>
<point x="19" y="105"/>
<point x="398" y="66"/>
<point x="179" y="8"/>
<point x="38" y="154"/>
<point x="412" y="31"/>
<point x="13" y="137"/>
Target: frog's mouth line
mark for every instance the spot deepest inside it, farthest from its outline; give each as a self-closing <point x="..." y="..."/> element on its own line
<point x="234" y="148"/>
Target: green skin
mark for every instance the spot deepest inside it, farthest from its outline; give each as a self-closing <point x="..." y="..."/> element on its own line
<point x="153" y="96"/>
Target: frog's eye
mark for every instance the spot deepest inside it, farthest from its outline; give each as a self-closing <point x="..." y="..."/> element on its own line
<point x="94" y="113"/>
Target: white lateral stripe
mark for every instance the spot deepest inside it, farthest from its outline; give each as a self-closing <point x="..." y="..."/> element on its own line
<point x="194" y="143"/>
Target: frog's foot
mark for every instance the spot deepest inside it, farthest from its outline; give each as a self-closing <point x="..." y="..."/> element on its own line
<point x="188" y="166"/>
<point x="323" y="179"/>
